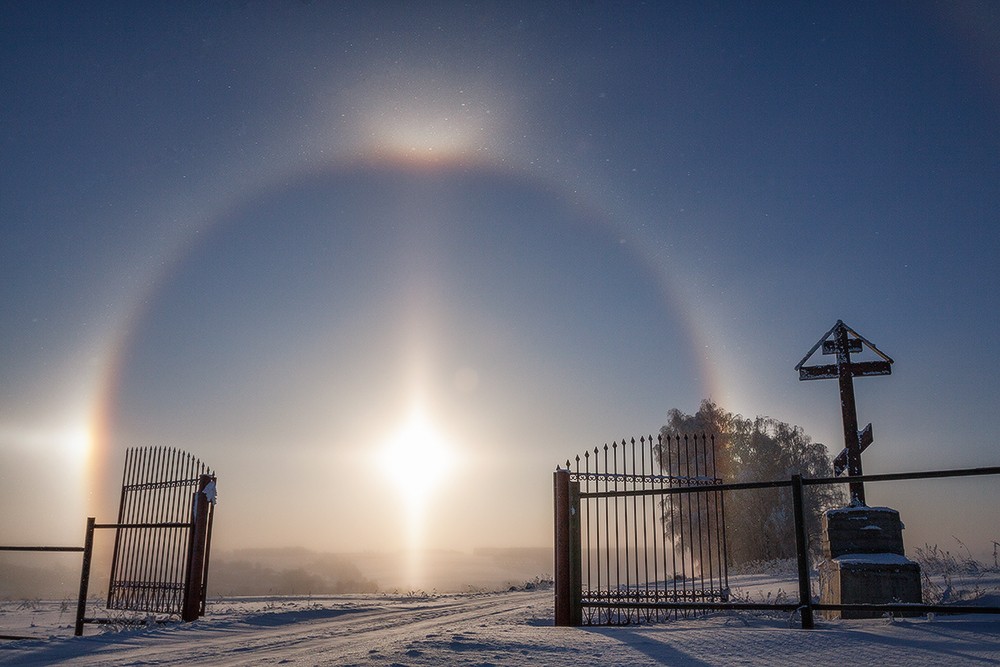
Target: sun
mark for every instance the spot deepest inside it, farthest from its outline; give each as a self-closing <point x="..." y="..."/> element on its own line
<point x="416" y="459"/>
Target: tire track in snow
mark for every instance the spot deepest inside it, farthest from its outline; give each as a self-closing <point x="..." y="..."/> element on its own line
<point x="335" y="635"/>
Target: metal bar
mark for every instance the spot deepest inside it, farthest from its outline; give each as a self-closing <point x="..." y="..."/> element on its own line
<point x="156" y="586"/>
<point x="673" y="523"/>
<point x="81" y="602"/>
<point x="656" y="556"/>
<point x="118" y="536"/>
<point x="208" y="553"/>
<point x="725" y="537"/>
<point x="121" y="536"/>
<point x="898" y="476"/>
<point x="62" y="549"/>
<point x="802" y="554"/>
<point x="703" y="606"/>
<point x="880" y="477"/>
<point x="144" y="507"/>
<point x="596" y="545"/>
<point x="163" y="484"/>
<point x="128" y="542"/>
<point x="183" y="552"/>
<point x="645" y="519"/>
<point x="705" y="523"/>
<point x="576" y="576"/>
<point x="165" y="524"/>
<point x="762" y="606"/>
<point x="146" y="594"/>
<point x="173" y="563"/>
<point x="586" y="477"/>
<point x="914" y="607"/>
<point x="181" y="547"/>
<point x="618" y="551"/>
<point x="607" y="523"/>
<point x="699" y="456"/>
<point x="628" y="561"/>
<point x="686" y="549"/>
<point x="721" y="523"/>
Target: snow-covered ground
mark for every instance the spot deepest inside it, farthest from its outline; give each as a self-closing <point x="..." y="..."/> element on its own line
<point x="510" y="628"/>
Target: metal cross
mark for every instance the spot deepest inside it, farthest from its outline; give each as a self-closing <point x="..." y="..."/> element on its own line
<point x="839" y="341"/>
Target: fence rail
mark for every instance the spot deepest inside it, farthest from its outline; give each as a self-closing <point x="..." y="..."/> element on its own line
<point x="572" y="602"/>
<point x="87" y="550"/>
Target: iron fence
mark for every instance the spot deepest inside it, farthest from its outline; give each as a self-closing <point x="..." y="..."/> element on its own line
<point x="638" y="550"/>
<point x="162" y="538"/>
<point x="570" y="600"/>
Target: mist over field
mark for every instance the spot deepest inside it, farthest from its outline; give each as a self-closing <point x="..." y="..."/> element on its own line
<point x="298" y="571"/>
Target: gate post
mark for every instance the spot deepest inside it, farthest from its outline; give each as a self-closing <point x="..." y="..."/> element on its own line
<point x="568" y="572"/>
<point x="196" y="553"/>
<point x="802" y="552"/>
<point x="81" y="602"/>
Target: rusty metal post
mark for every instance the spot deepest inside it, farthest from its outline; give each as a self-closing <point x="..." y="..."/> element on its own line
<point x="568" y="572"/>
<point x="562" y="540"/>
<point x="849" y="412"/>
<point x="81" y="603"/>
<point x="802" y="554"/>
<point x="194" y="573"/>
<point x="576" y="556"/>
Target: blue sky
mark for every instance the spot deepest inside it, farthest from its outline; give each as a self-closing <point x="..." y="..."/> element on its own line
<point x="265" y="232"/>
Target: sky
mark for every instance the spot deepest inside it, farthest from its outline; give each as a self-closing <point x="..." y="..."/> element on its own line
<point x="285" y="236"/>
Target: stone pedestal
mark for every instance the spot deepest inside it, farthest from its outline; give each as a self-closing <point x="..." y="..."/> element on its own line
<point x="864" y="561"/>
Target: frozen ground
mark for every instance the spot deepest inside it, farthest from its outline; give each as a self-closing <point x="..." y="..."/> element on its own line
<point x="513" y="628"/>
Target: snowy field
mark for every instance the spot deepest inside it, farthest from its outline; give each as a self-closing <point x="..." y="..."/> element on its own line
<point x="480" y="629"/>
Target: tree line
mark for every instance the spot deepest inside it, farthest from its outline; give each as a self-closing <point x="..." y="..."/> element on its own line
<point x="759" y="522"/>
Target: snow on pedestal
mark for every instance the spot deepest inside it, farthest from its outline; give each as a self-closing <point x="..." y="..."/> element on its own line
<point x="864" y="561"/>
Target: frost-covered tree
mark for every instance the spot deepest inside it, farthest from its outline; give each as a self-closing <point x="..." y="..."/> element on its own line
<point x="759" y="523"/>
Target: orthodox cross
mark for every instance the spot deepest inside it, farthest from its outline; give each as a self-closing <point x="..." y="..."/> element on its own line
<point x="842" y="341"/>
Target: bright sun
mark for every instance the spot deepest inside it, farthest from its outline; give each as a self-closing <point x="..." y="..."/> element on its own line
<point x="415" y="459"/>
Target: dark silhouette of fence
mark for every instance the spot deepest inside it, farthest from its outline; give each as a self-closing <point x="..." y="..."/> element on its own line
<point x="571" y="600"/>
<point x="621" y="548"/>
<point x="163" y="534"/>
<point x="162" y="538"/>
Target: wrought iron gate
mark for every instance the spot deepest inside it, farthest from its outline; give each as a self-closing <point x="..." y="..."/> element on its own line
<point x="635" y="539"/>
<point x="163" y="534"/>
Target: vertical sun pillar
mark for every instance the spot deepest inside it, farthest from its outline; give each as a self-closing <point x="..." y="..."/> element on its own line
<point x="416" y="459"/>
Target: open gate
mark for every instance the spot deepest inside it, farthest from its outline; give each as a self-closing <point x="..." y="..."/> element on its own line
<point x="636" y="541"/>
<point x="163" y="534"/>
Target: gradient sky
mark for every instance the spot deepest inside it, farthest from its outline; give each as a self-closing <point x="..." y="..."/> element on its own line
<point x="270" y="232"/>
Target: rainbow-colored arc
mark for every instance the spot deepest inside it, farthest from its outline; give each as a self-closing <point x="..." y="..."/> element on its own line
<point x="105" y="449"/>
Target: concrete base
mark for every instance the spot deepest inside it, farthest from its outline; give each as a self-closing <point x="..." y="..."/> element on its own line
<point x="868" y="579"/>
<point x="865" y="563"/>
<point x="862" y="530"/>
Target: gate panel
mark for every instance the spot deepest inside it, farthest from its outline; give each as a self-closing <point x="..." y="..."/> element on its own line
<point x="641" y="550"/>
<point x="157" y="538"/>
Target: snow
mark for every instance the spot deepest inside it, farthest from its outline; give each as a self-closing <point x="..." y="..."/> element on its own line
<point x="479" y="629"/>
<point x="877" y="559"/>
<point x="211" y="492"/>
<point x="861" y="509"/>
